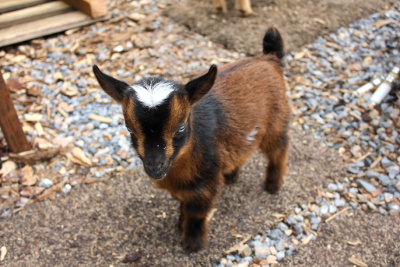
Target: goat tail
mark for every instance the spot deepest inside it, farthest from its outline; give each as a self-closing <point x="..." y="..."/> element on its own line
<point x="273" y="43"/>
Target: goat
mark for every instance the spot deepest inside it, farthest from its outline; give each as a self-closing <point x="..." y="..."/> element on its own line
<point x="193" y="138"/>
<point x="244" y="6"/>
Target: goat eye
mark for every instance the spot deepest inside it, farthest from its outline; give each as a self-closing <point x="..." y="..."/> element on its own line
<point x="181" y="129"/>
<point x="129" y="130"/>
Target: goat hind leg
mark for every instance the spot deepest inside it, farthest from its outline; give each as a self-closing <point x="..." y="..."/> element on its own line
<point x="276" y="169"/>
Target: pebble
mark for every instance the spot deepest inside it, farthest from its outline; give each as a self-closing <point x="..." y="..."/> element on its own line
<point x="261" y="251"/>
<point x="332" y="187"/>
<point x="46" y="183"/>
<point x="353" y="169"/>
<point x="280" y="255"/>
<point x="367" y="186"/>
<point x="67" y="188"/>
<point x="276" y="234"/>
<point x="340" y="203"/>
<point x="280" y="245"/>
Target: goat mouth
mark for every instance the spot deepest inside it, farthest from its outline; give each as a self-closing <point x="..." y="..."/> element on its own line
<point x="159" y="175"/>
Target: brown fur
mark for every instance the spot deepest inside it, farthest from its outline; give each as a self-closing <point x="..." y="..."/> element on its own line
<point x="256" y="98"/>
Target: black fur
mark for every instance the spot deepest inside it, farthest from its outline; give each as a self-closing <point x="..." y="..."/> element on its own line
<point x="273" y="43"/>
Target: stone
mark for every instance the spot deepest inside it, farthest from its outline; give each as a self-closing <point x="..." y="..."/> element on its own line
<point x="332" y="187"/>
<point x="280" y="255"/>
<point x="372" y="174"/>
<point x="276" y="234"/>
<point x="46" y="183"/>
<point x="339" y="203"/>
<point x="280" y="245"/>
<point x="367" y="186"/>
<point x="261" y="251"/>
<point x="282" y="226"/>
<point x="353" y="169"/>
<point x="385" y="162"/>
<point x="324" y="209"/>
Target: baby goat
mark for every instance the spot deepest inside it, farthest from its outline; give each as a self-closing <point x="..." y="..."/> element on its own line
<point x="193" y="138"/>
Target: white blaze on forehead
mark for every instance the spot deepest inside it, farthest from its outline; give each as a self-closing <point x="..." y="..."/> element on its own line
<point x="152" y="95"/>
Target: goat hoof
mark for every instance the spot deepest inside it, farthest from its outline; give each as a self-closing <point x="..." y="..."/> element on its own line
<point x="194" y="244"/>
<point x="271" y="188"/>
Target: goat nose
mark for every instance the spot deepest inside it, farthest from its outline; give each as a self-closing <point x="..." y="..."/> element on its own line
<point x="153" y="167"/>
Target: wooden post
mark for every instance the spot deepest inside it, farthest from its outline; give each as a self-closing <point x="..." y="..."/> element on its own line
<point x="9" y="122"/>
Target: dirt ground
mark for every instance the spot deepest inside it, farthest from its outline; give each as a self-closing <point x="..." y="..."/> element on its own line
<point x="299" y="21"/>
<point x="99" y="225"/>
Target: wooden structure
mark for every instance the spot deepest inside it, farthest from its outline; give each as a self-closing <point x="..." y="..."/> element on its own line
<point x="9" y="122"/>
<point x="43" y="17"/>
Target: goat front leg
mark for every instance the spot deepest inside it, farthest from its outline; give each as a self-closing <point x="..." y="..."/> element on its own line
<point x="220" y="6"/>
<point x="244" y="6"/>
<point x="194" y="223"/>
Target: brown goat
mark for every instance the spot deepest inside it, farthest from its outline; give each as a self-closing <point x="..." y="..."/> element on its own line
<point x="193" y="138"/>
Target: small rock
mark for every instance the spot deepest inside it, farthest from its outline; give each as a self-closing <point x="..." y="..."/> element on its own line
<point x="67" y="188"/>
<point x="386" y="162"/>
<point x="372" y="174"/>
<point x="367" y="186"/>
<point x="282" y="226"/>
<point x="353" y="169"/>
<point x="276" y="234"/>
<point x="46" y="183"/>
<point x="332" y="187"/>
<point x="261" y="251"/>
<point x="371" y="205"/>
<point x="339" y="203"/>
<point x="394" y="213"/>
<point x="280" y="255"/>
<point x="324" y="209"/>
<point x="280" y="245"/>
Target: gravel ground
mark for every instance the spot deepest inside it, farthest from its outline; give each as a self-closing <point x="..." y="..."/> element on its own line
<point x="90" y="217"/>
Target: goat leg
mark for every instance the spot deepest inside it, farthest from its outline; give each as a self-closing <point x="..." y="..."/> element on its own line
<point x="195" y="225"/>
<point x="220" y="6"/>
<point x="244" y="6"/>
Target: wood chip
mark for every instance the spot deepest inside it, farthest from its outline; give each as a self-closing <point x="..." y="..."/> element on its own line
<point x="357" y="262"/>
<point x="35" y="117"/>
<point x="337" y="214"/>
<point x="279" y="215"/>
<point x="358" y="242"/>
<point x="39" y="128"/>
<point x="381" y="23"/>
<point x="31" y="191"/>
<point x="90" y="180"/>
<point x="80" y="155"/>
<point x="320" y="21"/>
<point x="307" y="239"/>
<point x="100" y="118"/>
<point x="3" y="252"/>
<point x="238" y="245"/>
<point x="8" y="167"/>
<point x="28" y="178"/>
<point x="211" y="214"/>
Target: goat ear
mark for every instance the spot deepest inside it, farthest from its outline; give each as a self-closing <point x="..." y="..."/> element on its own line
<point x="200" y="86"/>
<point x="113" y="87"/>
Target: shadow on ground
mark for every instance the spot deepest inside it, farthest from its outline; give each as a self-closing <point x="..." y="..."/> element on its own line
<point x="99" y="225"/>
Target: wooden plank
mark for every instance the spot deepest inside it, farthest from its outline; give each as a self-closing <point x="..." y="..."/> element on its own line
<point x="93" y="8"/>
<point x="46" y="26"/>
<point x="34" y="13"/>
<point x="9" y="122"/>
<point x="10" y="5"/>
